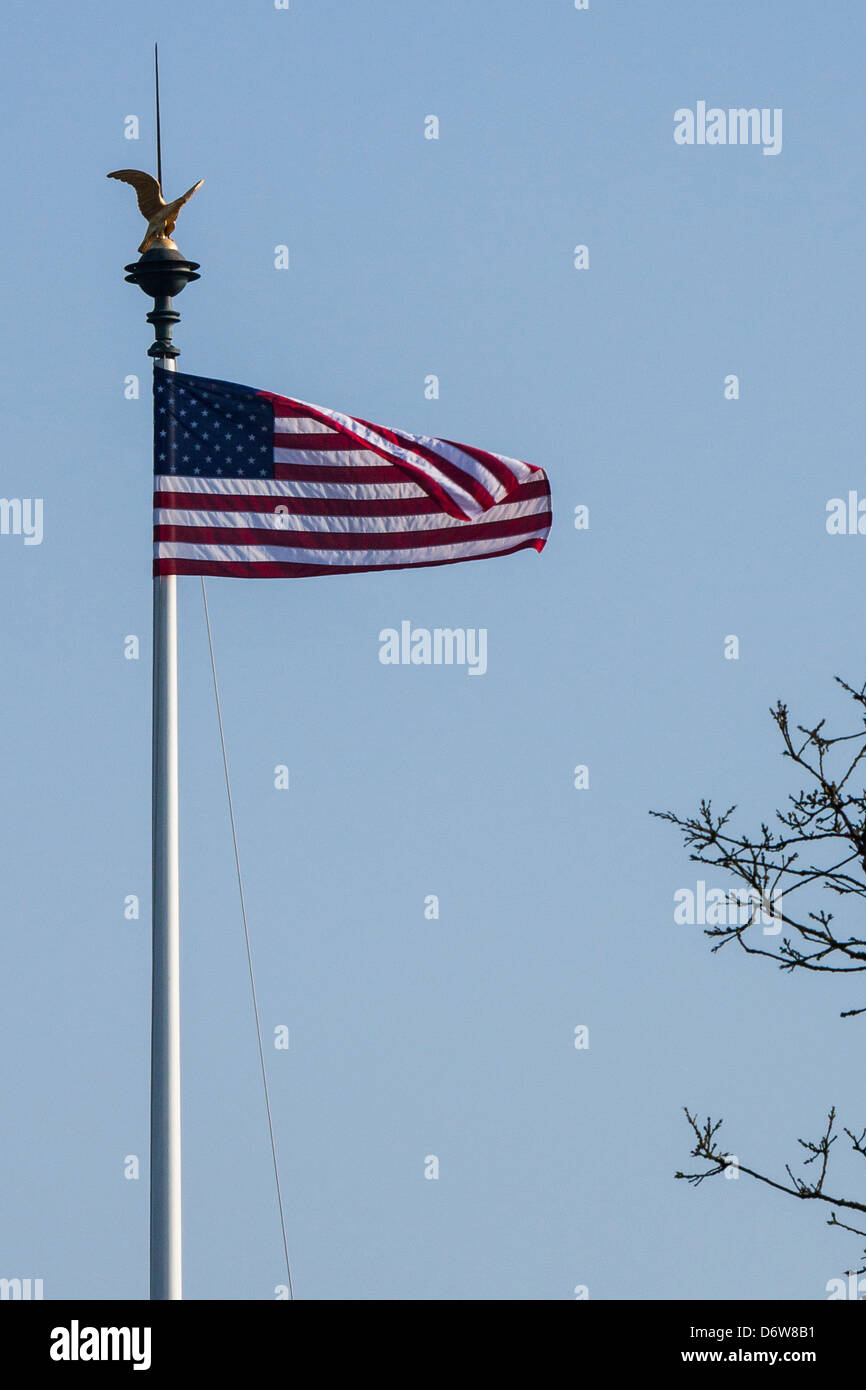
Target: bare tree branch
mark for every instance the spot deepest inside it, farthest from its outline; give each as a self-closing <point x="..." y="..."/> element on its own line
<point x="815" y="845"/>
<point x="818" y="843"/>
<point x="707" y="1149"/>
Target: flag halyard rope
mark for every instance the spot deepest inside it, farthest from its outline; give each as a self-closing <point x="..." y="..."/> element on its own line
<point x="247" y="940"/>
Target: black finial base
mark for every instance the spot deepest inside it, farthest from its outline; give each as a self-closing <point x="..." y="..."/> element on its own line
<point x="162" y="273"/>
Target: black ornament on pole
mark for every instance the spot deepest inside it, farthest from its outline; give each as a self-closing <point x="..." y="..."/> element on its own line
<point x="162" y="273"/>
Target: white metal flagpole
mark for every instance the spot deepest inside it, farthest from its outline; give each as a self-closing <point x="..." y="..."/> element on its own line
<point x="166" y="1227"/>
<point x="162" y="272"/>
<point x="165" y="1138"/>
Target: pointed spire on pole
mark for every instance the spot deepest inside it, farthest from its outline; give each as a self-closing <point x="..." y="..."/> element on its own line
<point x="158" y="132"/>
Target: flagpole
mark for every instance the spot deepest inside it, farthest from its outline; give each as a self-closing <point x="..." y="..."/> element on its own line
<point x="165" y="1094"/>
<point x="162" y="273"/>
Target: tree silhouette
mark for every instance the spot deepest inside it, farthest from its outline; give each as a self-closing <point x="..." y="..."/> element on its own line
<point x="817" y="845"/>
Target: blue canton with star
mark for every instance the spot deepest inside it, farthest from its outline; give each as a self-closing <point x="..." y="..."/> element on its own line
<point x="210" y="429"/>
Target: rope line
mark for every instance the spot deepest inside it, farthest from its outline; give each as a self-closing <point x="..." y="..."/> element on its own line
<point x="247" y="940"/>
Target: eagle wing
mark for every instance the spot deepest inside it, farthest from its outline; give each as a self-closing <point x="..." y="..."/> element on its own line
<point x="147" y="190"/>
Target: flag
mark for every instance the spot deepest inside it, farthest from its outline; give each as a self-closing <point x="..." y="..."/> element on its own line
<point x="254" y="485"/>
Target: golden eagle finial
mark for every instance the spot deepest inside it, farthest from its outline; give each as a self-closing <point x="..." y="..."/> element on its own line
<point x="161" y="216"/>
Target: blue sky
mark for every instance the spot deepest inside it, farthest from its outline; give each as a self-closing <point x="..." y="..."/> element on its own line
<point x="453" y="257"/>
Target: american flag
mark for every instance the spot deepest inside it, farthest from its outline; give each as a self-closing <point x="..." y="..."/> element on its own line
<point x="254" y="485"/>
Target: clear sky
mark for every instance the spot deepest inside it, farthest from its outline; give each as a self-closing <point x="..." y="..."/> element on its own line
<point x="412" y="257"/>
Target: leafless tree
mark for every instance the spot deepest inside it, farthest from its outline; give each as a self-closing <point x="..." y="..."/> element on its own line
<point x="815" y="846"/>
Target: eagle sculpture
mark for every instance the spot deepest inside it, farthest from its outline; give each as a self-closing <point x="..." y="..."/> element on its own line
<point x="161" y="216"/>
